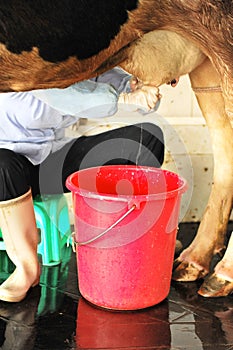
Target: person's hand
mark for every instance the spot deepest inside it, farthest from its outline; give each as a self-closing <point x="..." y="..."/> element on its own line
<point x="135" y="83"/>
<point x="144" y="97"/>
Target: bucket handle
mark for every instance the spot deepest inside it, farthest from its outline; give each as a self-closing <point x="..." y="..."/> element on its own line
<point x="75" y="243"/>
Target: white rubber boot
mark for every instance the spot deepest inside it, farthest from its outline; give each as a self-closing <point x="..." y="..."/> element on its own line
<point x="20" y="234"/>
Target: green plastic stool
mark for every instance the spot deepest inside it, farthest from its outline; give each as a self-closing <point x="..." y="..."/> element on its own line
<point x="53" y="282"/>
<point x="6" y="266"/>
<point x="52" y="218"/>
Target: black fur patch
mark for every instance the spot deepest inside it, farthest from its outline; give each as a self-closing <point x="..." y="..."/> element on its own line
<point x="62" y="28"/>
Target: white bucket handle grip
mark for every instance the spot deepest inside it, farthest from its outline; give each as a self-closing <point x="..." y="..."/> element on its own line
<point x="75" y="243"/>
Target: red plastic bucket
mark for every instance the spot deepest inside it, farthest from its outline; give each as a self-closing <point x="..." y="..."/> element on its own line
<point x="126" y="220"/>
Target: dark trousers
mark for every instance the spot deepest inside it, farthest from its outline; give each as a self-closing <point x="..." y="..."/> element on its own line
<point x="140" y="144"/>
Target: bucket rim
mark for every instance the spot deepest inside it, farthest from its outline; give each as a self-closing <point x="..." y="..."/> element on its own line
<point x="126" y="198"/>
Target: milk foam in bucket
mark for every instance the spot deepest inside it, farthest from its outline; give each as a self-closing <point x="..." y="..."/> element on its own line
<point x="126" y="220"/>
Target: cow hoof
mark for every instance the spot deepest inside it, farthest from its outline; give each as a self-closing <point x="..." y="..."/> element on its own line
<point x="186" y="272"/>
<point x="215" y="286"/>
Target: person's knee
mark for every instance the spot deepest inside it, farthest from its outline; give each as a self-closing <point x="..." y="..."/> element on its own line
<point x="12" y="175"/>
<point x="153" y="139"/>
<point x="154" y="130"/>
<point x="7" y="159"/>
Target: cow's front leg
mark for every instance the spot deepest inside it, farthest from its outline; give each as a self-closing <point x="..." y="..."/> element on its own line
<point x="194" y="262"/>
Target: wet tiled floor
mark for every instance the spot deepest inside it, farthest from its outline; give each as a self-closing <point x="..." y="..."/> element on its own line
<point x="54" y="316"/>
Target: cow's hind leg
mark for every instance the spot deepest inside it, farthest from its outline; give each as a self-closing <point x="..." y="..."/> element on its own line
<point x="194" y="262"/>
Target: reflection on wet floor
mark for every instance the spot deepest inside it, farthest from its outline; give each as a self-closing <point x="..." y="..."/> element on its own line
<point x="54" y="316"/>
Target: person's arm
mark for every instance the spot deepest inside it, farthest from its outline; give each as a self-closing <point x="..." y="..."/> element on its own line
<point x="99" y="97"/>
<point x="87" y="99"/>
<point x="143" y="98"/>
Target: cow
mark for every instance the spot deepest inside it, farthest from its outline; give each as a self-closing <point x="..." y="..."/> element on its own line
<point x="45" y="44"/>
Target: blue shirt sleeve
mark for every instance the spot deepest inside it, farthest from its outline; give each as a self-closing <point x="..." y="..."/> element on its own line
<point x="116" y="77"/>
